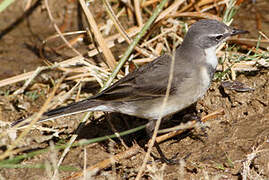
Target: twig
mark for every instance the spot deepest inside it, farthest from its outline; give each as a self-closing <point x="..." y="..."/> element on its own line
<point x="195" y="14"/>
<point x="111" y="61"/>
<point x="173" y="7"/>
<point x="205" y="2"/>
<point x="24" y="76"/>
<point x="149" y="2"/>
<point x="138" y="13"/>
<point x="212" y="6"/>
<point x="58" y="30"/>
<point x="26" y="84"/>
<point x="116" y="132"/>
<point x="133" y="44"/>
<point x="121" y="30"/>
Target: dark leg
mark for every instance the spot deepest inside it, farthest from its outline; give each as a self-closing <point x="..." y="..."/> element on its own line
<point x="150" y="128"/>
<point x="164" y="158"/>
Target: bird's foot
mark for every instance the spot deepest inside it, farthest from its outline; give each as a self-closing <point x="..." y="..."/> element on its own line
<point x="164" y="159"/>
<point x="171" y="161"/>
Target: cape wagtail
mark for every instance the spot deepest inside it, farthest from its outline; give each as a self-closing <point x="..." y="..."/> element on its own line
<point x="142" y="91"/>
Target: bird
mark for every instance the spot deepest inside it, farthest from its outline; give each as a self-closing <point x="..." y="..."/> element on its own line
<point x="141" y="92"/>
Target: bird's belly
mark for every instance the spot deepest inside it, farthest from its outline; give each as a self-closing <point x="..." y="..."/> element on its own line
<point x="154" y="109"/>
<point x="174" y="105"/>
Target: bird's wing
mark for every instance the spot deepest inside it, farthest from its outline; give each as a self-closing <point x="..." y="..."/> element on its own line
<point x="149" y="81"/>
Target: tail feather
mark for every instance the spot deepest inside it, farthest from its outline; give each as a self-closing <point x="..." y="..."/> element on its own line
<point x="74" y="108"/>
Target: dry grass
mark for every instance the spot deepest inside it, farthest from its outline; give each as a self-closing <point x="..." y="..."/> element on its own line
<point x="150" y="47"/>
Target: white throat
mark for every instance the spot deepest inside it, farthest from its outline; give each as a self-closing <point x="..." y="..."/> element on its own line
<point x="211" y="57"/>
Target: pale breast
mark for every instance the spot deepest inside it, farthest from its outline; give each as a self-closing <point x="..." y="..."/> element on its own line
<point x="211" y="57"/>
<point x="193" y="89"/>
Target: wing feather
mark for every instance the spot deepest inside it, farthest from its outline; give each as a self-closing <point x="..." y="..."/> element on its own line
<point x="147" y="82"/>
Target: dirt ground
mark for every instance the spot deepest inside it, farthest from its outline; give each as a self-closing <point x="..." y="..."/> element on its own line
<point x="236" y="142"/>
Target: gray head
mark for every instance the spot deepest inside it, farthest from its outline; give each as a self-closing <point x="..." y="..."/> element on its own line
<point x="209" y="33"/>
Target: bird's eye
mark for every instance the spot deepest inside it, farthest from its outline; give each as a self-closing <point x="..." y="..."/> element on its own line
<point x="219" y="37"/>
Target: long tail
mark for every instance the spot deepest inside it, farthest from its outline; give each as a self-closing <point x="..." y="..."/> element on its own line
<point x="74" y="108"/>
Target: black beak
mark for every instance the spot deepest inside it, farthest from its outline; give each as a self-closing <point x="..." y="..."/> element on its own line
<point x="238" y="31"/>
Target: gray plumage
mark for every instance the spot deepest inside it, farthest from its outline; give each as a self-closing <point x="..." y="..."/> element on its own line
<point x="141" y="92"/>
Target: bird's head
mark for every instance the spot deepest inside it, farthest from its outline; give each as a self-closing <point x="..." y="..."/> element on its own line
<point x="210" y="33"/>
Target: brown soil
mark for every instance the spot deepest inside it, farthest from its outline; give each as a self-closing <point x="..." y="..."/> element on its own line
<point x="231" y="138"/>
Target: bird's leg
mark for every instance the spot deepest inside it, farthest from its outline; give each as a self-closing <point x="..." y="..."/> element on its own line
<point x="150" y="128"/>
